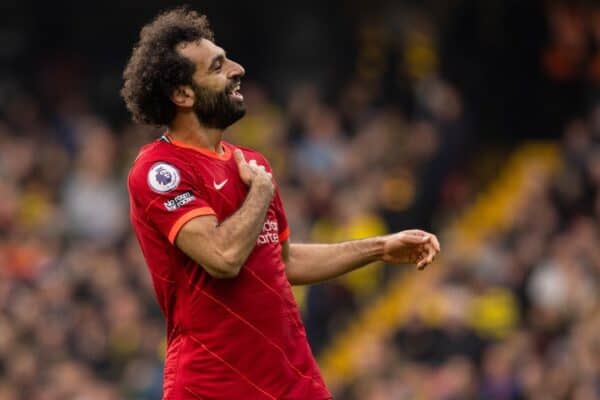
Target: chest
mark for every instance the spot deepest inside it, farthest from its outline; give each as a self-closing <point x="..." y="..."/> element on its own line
<point x="224" y="189"/>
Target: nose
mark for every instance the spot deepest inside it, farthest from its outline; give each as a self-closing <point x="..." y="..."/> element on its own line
<point x="236" y="71"/>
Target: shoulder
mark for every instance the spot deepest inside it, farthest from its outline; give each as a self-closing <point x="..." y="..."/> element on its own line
<point x="158" y="167"/>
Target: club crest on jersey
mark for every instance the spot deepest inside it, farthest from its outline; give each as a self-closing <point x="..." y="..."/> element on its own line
<point x="163" y="177"/>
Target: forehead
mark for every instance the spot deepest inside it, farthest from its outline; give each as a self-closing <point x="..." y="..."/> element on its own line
<point x="200" y="52"/>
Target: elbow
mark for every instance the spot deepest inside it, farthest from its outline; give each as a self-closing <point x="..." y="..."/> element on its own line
<point x="223" y="273"/>
<point x="220" y="266"/>
<point x="232" y="265"/>
<point x="215" y="256"/>
<point x="229" y="267"/>
<point x="229" y="271"/>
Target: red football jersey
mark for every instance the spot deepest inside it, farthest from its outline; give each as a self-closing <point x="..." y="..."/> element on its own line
<point x="239" y="338"/>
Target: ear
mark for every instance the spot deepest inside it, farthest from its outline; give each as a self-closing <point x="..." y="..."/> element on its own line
<point x="183" y="96"/>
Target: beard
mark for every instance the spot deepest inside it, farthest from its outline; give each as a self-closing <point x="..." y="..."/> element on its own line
<point x="217" y="109"/>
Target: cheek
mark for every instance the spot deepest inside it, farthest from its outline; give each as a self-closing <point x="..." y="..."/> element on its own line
<point x="214" y="83"/>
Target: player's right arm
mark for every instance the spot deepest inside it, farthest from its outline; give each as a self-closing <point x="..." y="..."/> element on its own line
<point x="223" y="248"/>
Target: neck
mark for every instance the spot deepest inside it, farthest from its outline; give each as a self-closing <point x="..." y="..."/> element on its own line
<point x="188" y="129"/>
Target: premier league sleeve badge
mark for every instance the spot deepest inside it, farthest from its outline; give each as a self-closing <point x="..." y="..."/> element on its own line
<point x="163" y="177"/>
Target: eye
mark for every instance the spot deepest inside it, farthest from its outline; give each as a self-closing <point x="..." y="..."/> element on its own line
<point x="218" y="66"/>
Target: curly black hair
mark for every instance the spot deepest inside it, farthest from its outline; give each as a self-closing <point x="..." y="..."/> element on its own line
<point x="155" y="68"/>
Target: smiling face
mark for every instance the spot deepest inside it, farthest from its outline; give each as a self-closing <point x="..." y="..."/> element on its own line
<point x="217" y="100"/>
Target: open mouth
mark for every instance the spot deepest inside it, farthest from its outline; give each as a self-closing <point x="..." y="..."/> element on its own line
<point x="235" y="92"/>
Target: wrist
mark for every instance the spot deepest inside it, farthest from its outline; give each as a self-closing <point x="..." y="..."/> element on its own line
<point x="376" y="250"/>
<point x="263" y="184"/>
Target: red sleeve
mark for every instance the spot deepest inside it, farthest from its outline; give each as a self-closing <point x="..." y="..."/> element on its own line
<point x="167" y="195"/>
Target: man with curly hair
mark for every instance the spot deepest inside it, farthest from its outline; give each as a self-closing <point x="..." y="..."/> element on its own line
<point x="213" y="230"/>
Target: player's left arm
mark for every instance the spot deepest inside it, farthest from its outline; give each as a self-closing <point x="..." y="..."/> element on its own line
<point x="311" y="263"/>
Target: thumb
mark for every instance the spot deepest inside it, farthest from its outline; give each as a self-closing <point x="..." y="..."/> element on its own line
<point x="239" y="157"/>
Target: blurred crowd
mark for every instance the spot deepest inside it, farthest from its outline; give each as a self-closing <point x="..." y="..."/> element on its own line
<point x="387" y="149"/>
<point x="570" y="60"/>
<point x="521" y="318"/>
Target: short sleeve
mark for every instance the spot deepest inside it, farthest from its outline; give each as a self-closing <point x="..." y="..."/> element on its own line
<point x="168" y="196"/>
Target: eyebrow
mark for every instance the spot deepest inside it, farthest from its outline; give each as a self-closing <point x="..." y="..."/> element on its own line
<point x="215" y="60"/>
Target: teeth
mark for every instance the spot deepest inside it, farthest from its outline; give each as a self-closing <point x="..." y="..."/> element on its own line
<point x="236" y="89"/>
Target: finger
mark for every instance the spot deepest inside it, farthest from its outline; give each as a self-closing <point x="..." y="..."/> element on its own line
<point x="431" y="255"/>
<point x="426" y="236"/>
<point x="430" y="258"/>
<point x="425" y="262"/>
<point x="239" y="157"/>
<point x="429" y="249"/>
<point x="432" y="241"/>
<point x="423" y="236"/>
<point x="413" y="239"/>
<point x="425" y="254"/>
<point x="436" y="243"/>
<point x="253" y="163"/>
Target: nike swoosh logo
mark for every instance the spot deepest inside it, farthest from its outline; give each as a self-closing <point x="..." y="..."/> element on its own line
<point x="218" y="186"/>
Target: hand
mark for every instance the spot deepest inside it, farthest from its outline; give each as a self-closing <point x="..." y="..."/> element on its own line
<point x="411" y="247"/>
<point x="252" y="173"/>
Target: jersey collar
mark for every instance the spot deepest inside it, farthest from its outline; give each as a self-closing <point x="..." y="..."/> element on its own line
<point x="226" y="155"/>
